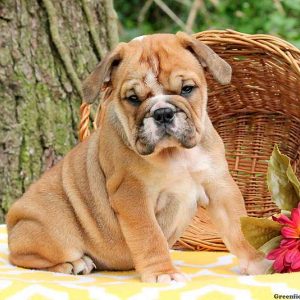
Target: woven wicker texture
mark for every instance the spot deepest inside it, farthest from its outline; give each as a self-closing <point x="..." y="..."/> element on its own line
<point x="260" y="107"/>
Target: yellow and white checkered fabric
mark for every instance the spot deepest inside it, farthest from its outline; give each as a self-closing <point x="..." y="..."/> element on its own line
<point x="213" y="276"/>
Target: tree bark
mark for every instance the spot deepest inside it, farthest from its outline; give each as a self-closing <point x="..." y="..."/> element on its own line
<point x="46" y="48"/>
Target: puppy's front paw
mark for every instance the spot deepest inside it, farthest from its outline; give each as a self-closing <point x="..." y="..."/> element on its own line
<point x="255" y="266"/>
<point x="165" y="278"/>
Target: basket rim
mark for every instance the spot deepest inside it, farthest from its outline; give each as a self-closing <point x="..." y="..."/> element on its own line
<point x="248" y="111"/>
<point x="267" y="42"/>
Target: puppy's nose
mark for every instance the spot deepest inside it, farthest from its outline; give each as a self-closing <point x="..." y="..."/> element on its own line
<point x="163" y="115"/>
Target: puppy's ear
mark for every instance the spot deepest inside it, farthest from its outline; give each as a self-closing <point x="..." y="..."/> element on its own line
<point x="218" y="67"/>
<point x="102" y="74"/>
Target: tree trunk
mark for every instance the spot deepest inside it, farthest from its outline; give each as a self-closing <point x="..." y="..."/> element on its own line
<point x="46" y="48"/>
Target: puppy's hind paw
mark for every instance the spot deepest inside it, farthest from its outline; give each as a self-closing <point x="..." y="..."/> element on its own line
<point x="84" y="266"/>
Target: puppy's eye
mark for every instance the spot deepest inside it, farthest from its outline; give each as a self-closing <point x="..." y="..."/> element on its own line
<point x="186" y="90"/>
<point x="134" y="100"/>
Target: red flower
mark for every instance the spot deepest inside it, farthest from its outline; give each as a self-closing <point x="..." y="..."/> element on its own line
<point x="287" y="255"/>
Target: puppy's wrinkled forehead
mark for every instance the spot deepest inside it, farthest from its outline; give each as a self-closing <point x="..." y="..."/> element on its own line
<point x="153" y="58"/>
<point x="163" y="52"/>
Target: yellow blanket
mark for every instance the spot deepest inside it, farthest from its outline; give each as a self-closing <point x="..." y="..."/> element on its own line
<point x="213" y="276"/>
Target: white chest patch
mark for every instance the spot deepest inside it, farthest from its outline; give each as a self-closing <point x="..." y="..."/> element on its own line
<point x="198" y="160"/>
<point x="193" y="160"/>
<point x="190" y="168"/>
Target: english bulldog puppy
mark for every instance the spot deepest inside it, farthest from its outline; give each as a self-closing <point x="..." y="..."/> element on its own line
<point x="120" y="199"/>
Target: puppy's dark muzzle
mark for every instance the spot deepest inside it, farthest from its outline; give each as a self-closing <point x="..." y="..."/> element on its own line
<point x="163" y="115"/>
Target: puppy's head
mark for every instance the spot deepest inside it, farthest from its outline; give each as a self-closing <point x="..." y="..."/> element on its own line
<point x="157" y="90"/>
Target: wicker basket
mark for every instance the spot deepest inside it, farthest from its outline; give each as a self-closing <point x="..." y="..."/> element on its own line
<point x="259" y="108"/>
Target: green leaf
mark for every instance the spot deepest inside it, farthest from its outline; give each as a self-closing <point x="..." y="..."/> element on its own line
<point x="286" y="213"/>
<point x="259" y="231"/>
<point x="270" y="245"/>
<point x="293" y="180"/>
<point x="270" y="270"/>
<point x="282" y="181"/>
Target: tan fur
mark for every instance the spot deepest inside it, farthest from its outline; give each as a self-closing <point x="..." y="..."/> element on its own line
<point x="106" y="202"/>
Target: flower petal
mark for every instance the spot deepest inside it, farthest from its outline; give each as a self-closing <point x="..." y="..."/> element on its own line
<point x="290" y="243"/>
<point x="295" y="264"/>
<point x="289" y="232"/>
<point x="283" y="219"/>
<point x="295" y="216"/>
<point x="291" y="255"/>
<point x="276" y="252"/>
<point x="278" y="264"/>
<point x="287" y="243"/>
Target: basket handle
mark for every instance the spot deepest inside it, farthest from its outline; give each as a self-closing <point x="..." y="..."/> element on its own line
<point x="85" y="111"/>
<point x="84" y="130"/>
